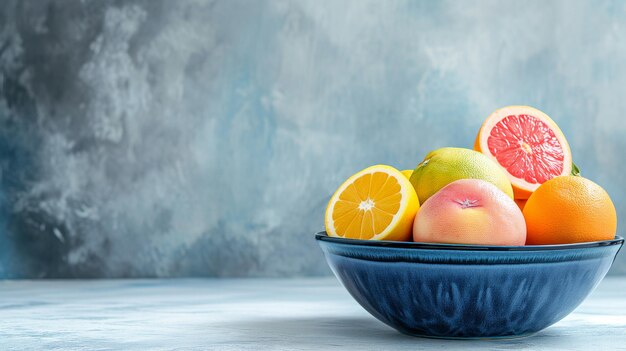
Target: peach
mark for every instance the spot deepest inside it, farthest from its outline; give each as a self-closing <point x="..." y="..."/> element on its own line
<point x="470" y="211"/>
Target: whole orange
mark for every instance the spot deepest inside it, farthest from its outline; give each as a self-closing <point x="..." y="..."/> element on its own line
<point x="569" y="209"/>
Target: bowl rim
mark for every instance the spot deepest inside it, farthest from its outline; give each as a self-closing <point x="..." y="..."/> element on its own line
<point x="411" y="245"/>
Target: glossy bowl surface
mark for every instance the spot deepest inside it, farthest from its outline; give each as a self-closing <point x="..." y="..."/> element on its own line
<point x="468" y="291"/>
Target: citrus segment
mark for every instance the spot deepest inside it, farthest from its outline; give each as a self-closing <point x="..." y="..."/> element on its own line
<point x="376" y="203"/>
<point x="527" y="144"/>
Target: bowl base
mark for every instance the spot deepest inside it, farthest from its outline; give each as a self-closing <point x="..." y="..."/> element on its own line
<point x="504" y="337"/>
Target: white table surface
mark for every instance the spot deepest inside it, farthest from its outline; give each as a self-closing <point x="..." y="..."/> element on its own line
<point x="253" y="314"/>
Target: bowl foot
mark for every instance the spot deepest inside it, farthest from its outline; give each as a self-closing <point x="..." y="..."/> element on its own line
<point x="504" y="337"/>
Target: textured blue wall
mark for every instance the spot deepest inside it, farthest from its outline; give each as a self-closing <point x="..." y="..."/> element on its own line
<point x="168" y="138"/>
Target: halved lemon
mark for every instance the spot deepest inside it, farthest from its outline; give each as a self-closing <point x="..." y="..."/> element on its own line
<point x="377" y="203"/>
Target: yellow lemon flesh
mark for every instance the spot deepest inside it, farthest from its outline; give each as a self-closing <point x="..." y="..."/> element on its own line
<point x="443" y="166"/>
<point x="377" y="203"/>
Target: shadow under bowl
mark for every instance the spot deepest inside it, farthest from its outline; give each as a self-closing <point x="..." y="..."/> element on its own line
<point x="468" y="291"/>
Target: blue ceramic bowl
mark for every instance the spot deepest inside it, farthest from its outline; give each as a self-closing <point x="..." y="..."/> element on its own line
<point x="468" y="291"/>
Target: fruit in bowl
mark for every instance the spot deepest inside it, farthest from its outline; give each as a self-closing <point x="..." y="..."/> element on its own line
<point x="472" y="211"/>
<point x="442" y="166"/>
<point x="377" y="203"/>
<point x="500" y="241"/>
<point x="527" y="144"/>
<point x="569" y="209"/>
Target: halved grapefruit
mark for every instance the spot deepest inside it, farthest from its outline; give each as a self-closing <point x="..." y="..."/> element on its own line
<point x="527" y="144"/>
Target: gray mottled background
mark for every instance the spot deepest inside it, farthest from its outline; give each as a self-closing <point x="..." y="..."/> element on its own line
<point x="176" y="138"/>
